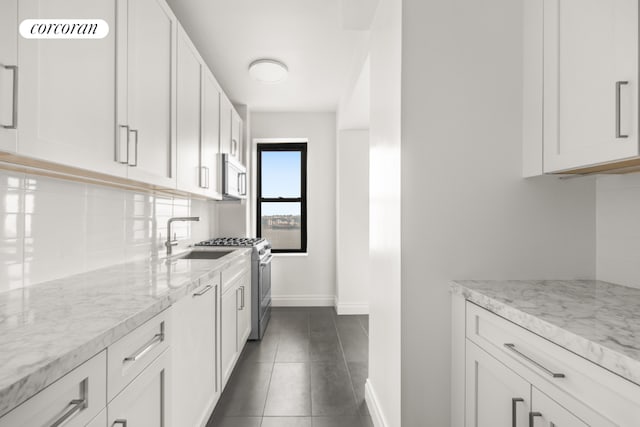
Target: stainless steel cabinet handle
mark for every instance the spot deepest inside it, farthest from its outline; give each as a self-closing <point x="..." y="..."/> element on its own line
<point x="135" y="149"/>
<point x="75" y="406"/>
<point x="14" y="112"/>
<point x="512" y="347"/>
<point x="242" y="183"/>
<point x="514" y="410"/>
<point x="146" y="348"/>
<point x="119" y="155"/>
<point x="242" y="296"/>
<point x="237" y="308"/>
<point x="203" y="291"/>
<point x="123" y="423"/>
<point x="618" y="107"/>
<point x="532" y="416"/>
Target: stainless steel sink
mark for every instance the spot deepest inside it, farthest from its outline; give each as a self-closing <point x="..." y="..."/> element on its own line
<point x="204" y="254"/>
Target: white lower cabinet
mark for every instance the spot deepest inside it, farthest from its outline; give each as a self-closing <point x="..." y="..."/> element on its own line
<point x="196" y="385"/>
<point x="509" y="376"/>
<point x="244" y="309"/>
<point x="228" y="332"/>
<point x="146" y="401"/>
<point x="549" y="413"/>
<point x="74" y="400"/>
<point x="495" y="395"/>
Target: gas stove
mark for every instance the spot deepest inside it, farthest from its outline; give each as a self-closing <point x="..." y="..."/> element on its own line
<point x="232" y="241"/>
<point x="260" y="277"/>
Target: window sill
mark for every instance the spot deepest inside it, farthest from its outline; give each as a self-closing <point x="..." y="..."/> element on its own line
<point x="289" y="254"/>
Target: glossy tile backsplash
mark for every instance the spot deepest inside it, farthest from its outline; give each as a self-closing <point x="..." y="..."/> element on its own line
<point x="52" y="228"/>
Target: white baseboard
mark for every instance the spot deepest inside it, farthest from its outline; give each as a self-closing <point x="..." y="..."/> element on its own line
<point x="302" y="301"/>
<point x="350" y="308"/>
<point x="374" y="406"/>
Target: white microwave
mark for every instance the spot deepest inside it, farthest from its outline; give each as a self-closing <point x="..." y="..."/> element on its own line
<point x="234" y="179"/>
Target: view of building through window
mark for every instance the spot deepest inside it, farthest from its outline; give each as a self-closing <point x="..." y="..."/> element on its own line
<point x="282" y="195"/>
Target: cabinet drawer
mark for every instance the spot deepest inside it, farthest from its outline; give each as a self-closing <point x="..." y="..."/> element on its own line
<point x="77" y="397"/>
<point x="128" y="356"/>
<point x="536" y="359"/>
<point x="235" y="270"/>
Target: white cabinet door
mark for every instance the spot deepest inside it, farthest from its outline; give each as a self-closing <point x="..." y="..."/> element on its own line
<point x="146" y="401"/>
<point x="66" y="90"/>
<point x="225" y="124"/>
<point x="244" y="310"/>
<point x="236" y="125"/>
<point x="590" y="82"/>
<point x="549" y="413"/>
<point x="195" y="378"/>
<point x="495" y="395"/>
<point x="189" y="71"/>
<point x="8" y="74"/>
<point x="146" y="89"/>
<point x="210" y="142"/>
<point x="228" y="332"/>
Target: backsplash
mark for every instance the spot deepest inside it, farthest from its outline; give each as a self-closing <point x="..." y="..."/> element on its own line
<point x="52" y="228"/>
<point x="618" y="229"/>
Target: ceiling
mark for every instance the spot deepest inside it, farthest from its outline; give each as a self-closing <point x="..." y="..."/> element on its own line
<point x="321" y="41"/>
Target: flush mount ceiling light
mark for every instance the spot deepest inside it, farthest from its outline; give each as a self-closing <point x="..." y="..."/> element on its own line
<point x="268" y="70"/>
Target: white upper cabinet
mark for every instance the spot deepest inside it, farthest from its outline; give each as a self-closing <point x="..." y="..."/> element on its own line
<point x="8" y="74"/>
<point x="146" y="90"/>
<point x="66" y="90"/>
<point x="188" y="115"/>
<point x="590" y="82"/>
<point x="225" y="125"/>
<point x="198" y="123"/>
<point x="236" y="132"/>
<point x="210" y="179"/>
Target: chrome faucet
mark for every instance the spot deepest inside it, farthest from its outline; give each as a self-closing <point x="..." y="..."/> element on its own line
<point x="171" y="243"/>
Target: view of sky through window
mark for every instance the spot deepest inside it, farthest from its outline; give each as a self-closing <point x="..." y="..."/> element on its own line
<point x="281" y="178"/>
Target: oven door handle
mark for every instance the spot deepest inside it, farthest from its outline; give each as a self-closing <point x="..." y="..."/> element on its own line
<point x="266" y="261"/>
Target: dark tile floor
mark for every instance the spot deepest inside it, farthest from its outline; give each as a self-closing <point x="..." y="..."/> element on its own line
<point x="309" y="370"/>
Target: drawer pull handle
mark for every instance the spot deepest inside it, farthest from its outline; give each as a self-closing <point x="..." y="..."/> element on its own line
<point x="532" y="418"/>
<point x="153" y="342"/>
<point x="75" y="406"/>
<point x="513" y="348"/>
<point x="514" y="410"/>
<point x="123" y="423"/>
<point x="203" y="291"/>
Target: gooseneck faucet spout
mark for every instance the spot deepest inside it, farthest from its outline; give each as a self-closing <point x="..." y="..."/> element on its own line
<point x="171" y="243"/>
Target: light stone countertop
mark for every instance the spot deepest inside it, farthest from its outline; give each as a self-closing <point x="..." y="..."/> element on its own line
<point x="597" y="320"/>
<point x="48" y="329"/>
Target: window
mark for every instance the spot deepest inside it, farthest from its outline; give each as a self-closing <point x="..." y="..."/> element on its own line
<point x="282" y="196"/>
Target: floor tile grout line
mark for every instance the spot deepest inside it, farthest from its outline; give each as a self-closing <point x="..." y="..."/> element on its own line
<point x="346" y="365"/>
<point x="273" y="366"/>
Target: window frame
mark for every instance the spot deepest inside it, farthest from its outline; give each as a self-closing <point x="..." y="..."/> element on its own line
<point x="300" y="147"/>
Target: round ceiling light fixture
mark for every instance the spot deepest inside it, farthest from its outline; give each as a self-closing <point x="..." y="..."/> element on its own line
<point x="268" y="70"/>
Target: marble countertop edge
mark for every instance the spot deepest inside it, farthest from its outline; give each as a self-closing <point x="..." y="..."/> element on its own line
<point x="601" y="355"/>
<point x="17" y="387"/>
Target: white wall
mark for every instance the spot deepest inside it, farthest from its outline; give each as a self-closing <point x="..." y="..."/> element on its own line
<point x="307" y="279"/>
<point x="352" y="222"/>
<point x="466" y="212"/>
<point x="383" y="384"/>
<point x="618" y="229"/>
<point x="53" y="228"/>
